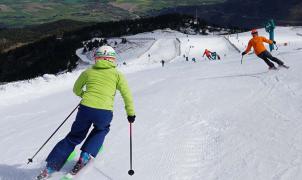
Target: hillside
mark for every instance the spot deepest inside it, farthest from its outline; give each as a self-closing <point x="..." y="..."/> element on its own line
<point x="54" y="54"/>
<point x="14" y="37"/>
<point x="205" y="120"/>
<point x="15" y="13"/>
<point x="245" y="13"/>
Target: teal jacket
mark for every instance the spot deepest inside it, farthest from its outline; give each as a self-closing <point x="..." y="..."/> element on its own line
<point x="101" y="82"/>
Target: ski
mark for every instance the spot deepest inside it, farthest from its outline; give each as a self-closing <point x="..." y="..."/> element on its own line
<point x="273" y="69"/>
<point x="46" y="175"/>
<point x="67" y="177"/>
<point x="42" y="176"/>
<point x="72" y="175"/>
<point x="278" y="68"/>
<point x="284" y="66"/>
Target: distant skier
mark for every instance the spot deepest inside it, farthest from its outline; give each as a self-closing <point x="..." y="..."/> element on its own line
<point x="257" y="43"/>
<point x="101" y="82"/>
<point x="162" y="63"/>
<point x="215" y="56"/>
<point x="194" y="60"/>
<point x="218" y="57"/>
<point x="208" y="54"/>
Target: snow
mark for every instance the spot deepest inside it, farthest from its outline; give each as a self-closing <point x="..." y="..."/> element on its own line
<point x="204" y="120"/>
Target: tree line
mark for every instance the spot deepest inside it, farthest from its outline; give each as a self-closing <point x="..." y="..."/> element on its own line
<point x="52" y="55"/>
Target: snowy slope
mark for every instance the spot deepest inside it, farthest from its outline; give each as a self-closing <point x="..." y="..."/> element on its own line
<point x="205" y="120"/>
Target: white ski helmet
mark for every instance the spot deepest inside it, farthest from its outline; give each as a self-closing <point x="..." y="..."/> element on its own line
<point x="105" y="53"/>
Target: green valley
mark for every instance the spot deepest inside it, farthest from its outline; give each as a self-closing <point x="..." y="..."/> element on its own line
<point x="19" y="13"/>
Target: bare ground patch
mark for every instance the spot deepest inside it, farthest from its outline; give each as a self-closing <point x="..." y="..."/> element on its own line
<point x="34" y="7"/>
<point x="17" y="45"/>
<point x="126" y="6"/>
<point x="5" y="8"/>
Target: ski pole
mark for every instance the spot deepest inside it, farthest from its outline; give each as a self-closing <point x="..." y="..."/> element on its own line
<point x="241" y="59"/>
<point x="30" y="160"/>
<point x="130" y="172"/>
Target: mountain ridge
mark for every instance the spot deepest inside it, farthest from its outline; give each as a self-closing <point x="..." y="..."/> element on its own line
<point x="245" y="14"/>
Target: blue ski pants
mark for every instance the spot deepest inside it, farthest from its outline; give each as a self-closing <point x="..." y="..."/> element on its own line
<point x="86" y="116"/>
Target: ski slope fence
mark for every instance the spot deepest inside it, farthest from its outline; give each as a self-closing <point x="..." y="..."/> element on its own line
<point x="299" y="34"/>
<point x="148" y="48"/>
<point x="140" y="39"/>
<point x="177" y="46"/>
<point x="233" y="45"/>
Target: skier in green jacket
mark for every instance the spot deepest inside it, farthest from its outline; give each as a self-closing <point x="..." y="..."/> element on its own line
<point x="100" y="82"/>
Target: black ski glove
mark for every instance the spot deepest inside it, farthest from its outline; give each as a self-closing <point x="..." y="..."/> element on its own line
<point x="274" y="42"/>
<point x="131" y="119"/>
<point x="243" y="53"/>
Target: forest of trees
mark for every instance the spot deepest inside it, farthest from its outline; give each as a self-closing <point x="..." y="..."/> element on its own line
<point x="14" y="37"/>
<point x="52" y="55"/>
<point x="246" y="14"/>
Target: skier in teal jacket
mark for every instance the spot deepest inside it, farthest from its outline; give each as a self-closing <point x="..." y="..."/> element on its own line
<point x="100" y="82"/>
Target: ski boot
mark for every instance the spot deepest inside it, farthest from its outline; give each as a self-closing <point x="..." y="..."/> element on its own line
<point x="45" y="174"/>
<point x="272" y="68"/>
<point x="83" y="160"/>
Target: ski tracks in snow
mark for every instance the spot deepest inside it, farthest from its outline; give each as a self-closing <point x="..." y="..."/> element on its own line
<point x="211" y="120"/>
<point x="188" y="133"/>
<point x="273" y="120"/>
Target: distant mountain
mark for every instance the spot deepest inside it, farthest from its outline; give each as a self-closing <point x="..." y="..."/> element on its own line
<point x="245" y="13"/>
<point x="242" y="13"/>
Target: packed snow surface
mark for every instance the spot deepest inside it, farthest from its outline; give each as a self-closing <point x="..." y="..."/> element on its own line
<point x="205" y="120"/>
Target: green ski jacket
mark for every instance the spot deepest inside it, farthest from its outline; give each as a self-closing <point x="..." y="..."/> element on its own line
<point x="101" y="82"/>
